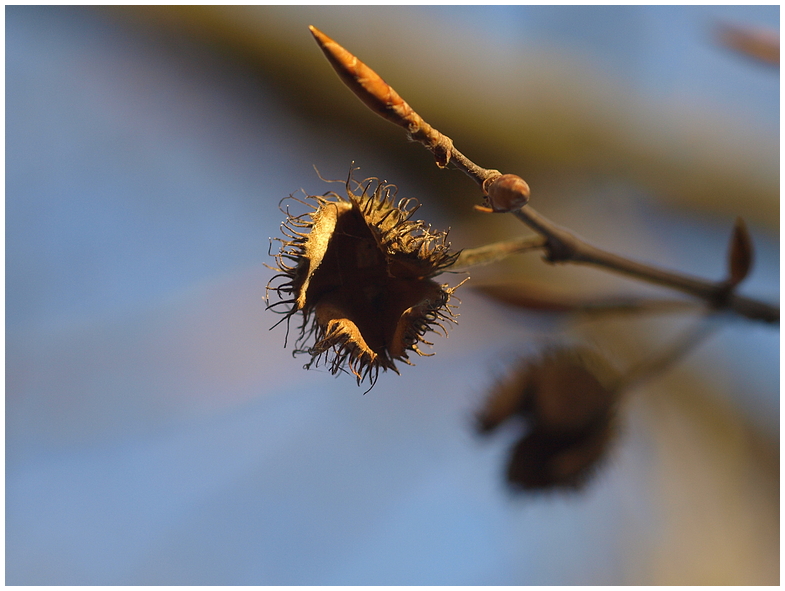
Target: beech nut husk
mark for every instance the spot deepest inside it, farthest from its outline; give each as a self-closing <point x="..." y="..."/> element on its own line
<point x="360" y="273"/>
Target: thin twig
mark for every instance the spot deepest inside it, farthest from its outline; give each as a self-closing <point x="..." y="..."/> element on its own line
<point x="491" y="253"/>
<point x="564" y="246"/>
<point x="561" y="244"/>
<point x="685" y="343"/>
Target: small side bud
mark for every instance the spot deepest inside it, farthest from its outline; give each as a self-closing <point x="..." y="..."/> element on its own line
<point x="739" y="254"/>
<point x="509" y="192"/>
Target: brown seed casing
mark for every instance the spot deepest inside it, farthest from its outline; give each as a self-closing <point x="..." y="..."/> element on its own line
<point x="360" y="272"/>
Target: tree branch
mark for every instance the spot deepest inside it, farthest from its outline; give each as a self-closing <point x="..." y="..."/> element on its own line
<point x="510" y="194"/>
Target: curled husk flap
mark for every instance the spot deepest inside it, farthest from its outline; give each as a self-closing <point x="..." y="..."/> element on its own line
<point x="360" y="271"/>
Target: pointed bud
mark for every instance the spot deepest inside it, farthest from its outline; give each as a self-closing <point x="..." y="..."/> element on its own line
<point x="740" y="254"/>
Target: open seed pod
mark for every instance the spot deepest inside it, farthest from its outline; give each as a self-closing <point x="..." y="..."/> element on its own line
<point x="360" y="271"/>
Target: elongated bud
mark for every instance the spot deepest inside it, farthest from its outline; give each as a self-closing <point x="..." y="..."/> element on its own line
<point x="381" y="98"/>
<point x="366" y="84"/>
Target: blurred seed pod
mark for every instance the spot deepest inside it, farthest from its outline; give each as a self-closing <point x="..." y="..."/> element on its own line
<point x="545" y="460"/>
<point x="560" y="390"/>
<point x="568" y="401"/>
<point x="360" y="271"/>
